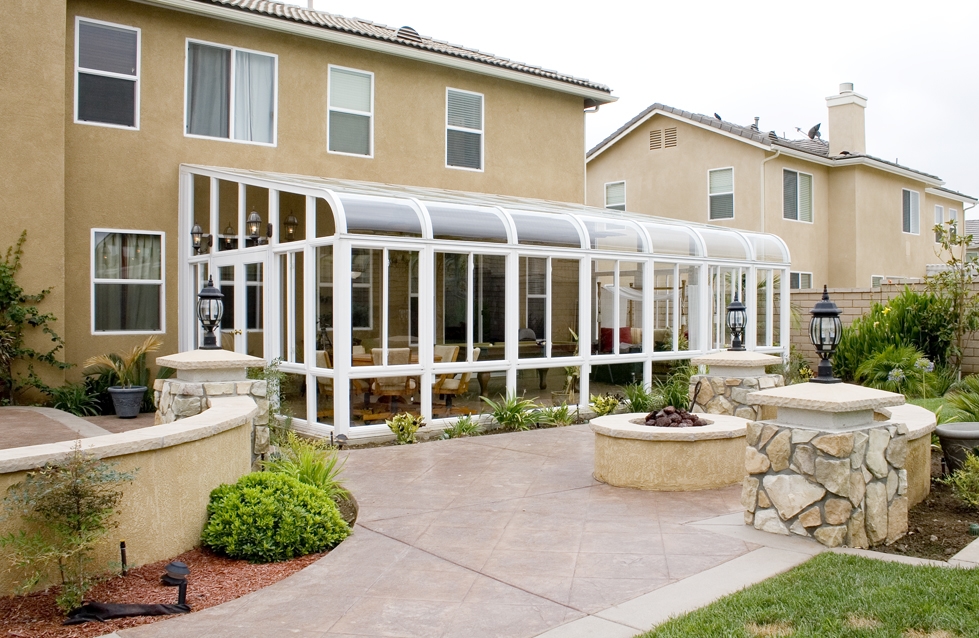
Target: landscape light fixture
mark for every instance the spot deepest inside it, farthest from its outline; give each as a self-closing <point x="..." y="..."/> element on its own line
<point x="210" y="309"/>
<point x="176" y="576"/>
<point x="197" y="238"/>
<point x="825" y="331"/>
<point x="737" y="317"/>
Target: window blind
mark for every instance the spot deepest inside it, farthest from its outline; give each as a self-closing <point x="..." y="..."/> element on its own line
<point x="104" y="53"/>
<point x="464" y="148"/>
<point x="350" y="90"/>
<point x="350" y="128"/>
<point x="721" y="193"/>
<point x="615" y="195"/>
<point x="805" y="197"/>
<point x="790" y="195"/>
<point x="465" y="110"/>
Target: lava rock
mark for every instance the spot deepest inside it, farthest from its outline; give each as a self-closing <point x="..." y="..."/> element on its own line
<point x="671" y="417"/>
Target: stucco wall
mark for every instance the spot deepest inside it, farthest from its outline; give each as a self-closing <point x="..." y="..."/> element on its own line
<point x="163" y="510"/>
<point x="32" y="44"/>
<point x="534" y="139"/>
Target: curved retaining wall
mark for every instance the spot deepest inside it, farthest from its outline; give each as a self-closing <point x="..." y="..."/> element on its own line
<point x="921" y="423"/>
<point x="163" y="510"/>
<point x="669" y="459"/>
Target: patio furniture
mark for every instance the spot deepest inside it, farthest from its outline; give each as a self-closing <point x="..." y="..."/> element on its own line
<point x="393" y="388"/>
<point x="448" y="386"/>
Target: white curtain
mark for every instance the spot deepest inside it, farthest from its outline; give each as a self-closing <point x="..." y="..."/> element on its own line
<point x="127" y="306"/>
<point x="207" y="90"/>
<point x="254" y="97"/>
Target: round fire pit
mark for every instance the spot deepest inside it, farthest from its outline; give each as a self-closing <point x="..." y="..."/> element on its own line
<point x="629" y="453"/>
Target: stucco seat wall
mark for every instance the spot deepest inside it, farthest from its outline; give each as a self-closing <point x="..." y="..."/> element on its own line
<point x="177" y="465"/>
<point x="921" y="423"/>
<point x="669" y="459"/>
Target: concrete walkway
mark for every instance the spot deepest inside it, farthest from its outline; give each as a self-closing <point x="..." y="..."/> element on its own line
<point x="506" y="536"/>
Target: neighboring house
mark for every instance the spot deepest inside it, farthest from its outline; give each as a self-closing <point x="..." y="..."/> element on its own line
<point x="849" y="219"/>
<point x="972" y="228"/>
<point x="104" y="101"/>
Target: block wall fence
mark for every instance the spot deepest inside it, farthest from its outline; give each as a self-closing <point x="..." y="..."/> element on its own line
<point x="855" y="302"/>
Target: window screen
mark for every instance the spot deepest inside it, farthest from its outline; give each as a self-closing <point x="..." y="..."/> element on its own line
<point x="108" y="74"/>
<point x="464" y="130"/>
<point x="351" y="109"/>
<point x="721" y="185"/>
<point x="615" y="196"/>
<point x="796" y="196"/>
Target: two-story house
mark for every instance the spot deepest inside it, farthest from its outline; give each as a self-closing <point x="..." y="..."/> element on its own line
<point x="849" y="218"/>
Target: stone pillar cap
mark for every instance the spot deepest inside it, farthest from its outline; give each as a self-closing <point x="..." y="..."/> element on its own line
<point x="209" y="360"/>
<point x="736" y="359"/>
<point x="826" y="397"/>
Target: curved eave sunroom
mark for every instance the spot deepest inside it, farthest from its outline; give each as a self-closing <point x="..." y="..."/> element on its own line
<point x="448" y="296"/>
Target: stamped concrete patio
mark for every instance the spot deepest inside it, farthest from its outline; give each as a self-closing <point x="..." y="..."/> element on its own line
<point x="505" y="535"/>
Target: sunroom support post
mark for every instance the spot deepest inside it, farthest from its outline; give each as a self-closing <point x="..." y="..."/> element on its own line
<point x="512" y="347"/>
<point x="750" y="297"/>
<point x="426" y="325"/>
<point x="342" y="342"/>
<point x="584" y="327"/>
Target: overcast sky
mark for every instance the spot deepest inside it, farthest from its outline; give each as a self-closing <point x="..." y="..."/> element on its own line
<point x="916" y="62"/>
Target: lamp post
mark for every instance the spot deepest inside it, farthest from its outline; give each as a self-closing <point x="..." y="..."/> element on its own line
<point x="737" y="317"/>
<point x="210" y="309"/>
<point x="825" y="331"/>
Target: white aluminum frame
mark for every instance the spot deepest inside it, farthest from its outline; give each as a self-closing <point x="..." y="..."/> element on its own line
<point x="108" y="74"/>
<point x="329" y="109"/>
<point x="161" y="282"/>
<point x="624" y="195"/>
<point x="482" y="131"/>
<point x="231" y="95"/>
<point x="798" y="196"/>
<point x="914" y="214"/>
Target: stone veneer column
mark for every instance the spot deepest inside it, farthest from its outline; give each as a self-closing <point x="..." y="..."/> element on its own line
<point x="823" y="467"/>
<point x="205" y="374"/>
<point x="731" y="377"/>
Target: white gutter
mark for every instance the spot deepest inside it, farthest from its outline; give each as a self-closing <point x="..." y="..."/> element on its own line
<point x="778" y="152"/>
<point x="246" y="17"/>
<point x="861" y="161"/>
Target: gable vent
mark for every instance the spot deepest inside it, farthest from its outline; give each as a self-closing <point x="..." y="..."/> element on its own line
<point x="670" y="137"/>
<point x="655" y="139"/>
<point x="409" y="34"/>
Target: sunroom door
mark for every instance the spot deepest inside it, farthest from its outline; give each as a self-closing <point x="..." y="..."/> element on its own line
<point x="242" y="281"/>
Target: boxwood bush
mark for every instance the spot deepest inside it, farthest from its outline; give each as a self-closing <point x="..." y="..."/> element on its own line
<point x="267" y="517"/>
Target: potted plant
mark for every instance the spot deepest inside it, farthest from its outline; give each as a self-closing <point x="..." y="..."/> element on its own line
<point x="127" y="370"/>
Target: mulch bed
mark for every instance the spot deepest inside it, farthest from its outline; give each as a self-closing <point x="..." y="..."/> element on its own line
<point x="938" y="527"/>
<point x="213" y="580"/>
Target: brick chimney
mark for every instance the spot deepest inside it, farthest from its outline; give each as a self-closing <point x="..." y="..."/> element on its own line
<point x="846" y="121"/>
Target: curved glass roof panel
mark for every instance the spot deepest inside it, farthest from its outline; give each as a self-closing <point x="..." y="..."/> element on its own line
<point x="674" y="240"/>
<point x="724" y="244"/>
<point x="613" y="234"/>
<point x="466" y="223"/>
<point x="768" y="248"/>
<point x="537" y="229"/>
<point x="380" y="216"/>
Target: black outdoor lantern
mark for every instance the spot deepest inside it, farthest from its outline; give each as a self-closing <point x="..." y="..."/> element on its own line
<point x="197" y="237"/>
<point x="825" y="331"/>
<point x="291" y="224"/>
<point x="252" y="224"/>
<point x="737" y="316"/>
<point x="229" y="237"/>
<point x="176" y="576"/>
<point x="210" y="308"/>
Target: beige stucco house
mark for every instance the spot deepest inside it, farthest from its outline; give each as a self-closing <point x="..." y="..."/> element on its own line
<point x="849" y="218"/>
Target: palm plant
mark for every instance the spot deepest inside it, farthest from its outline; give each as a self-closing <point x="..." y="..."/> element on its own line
<point x="126" y="368"/>
<point x="895" y="369"/>
<point x="962" y="402"/>
<point x="512" y="412"/>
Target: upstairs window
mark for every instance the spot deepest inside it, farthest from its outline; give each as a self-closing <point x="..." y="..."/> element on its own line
<point x="106" y="74"/>
<point x="939" y="220"/>
<point x="911" y="214"/>
<point x="615" y="195"/>
<point x="796" y="196"/>
<point x="231" y="93"/>
<point x="800" y="280"/>
<point x="464" y="129"/>
<point x="351" y="121"/>
<point x="953" y="219"/>
<point x="721" y="188"/>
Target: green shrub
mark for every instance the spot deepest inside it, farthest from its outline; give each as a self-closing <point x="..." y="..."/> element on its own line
<point x="604" y="403"/>
<point x="965" y="482"/>
<point x="68" y="508"/>
<point x="464" y="426"/>
<point x="896" y="369"/>
<point x="961" y="402"/>
<point x="268" y="517"/>
<point x="74" y="398"/>
<point x="638" y="397"/>
<point x="405" y="426"/>
<point x="310" y="462"/>
<point x="513" y="413"/>
<point x="559" y="415"/>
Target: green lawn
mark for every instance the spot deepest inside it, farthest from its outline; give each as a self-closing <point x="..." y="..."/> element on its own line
<point x="930" y="404"/>
<point x="840" y="595"/>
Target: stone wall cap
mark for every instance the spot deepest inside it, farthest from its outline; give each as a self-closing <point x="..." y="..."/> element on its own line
<point x="826" y="397"/>
<point x="920" y="421"/>
<point x="209" y="360"/>
<point x="619" y="426"/>
<point x="733" y="359"/>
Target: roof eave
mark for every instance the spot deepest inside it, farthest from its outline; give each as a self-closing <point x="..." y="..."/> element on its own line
<point x="230" y="14"/>
<point x="948" y="194"/>
<point x="858" y="161"/>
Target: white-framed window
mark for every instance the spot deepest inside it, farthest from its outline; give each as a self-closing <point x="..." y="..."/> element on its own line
<point x="911" y="218"/>
<point x="939" y="220"/>
<point x="231" y="93"/>
<point x="362" y="288"/>
<point x="953" y="219"/>
<point x="106" y="74"/>
<point x="350" y="123"/>
<point x="535" y="271"/>
<point x="463" y="129"/>
<point x="796" y="196"/>
<point x="127" y="281"/>
<point x="720" y="184"/>
<point x="615" y="195"/>
<point x="800" y="280"/>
